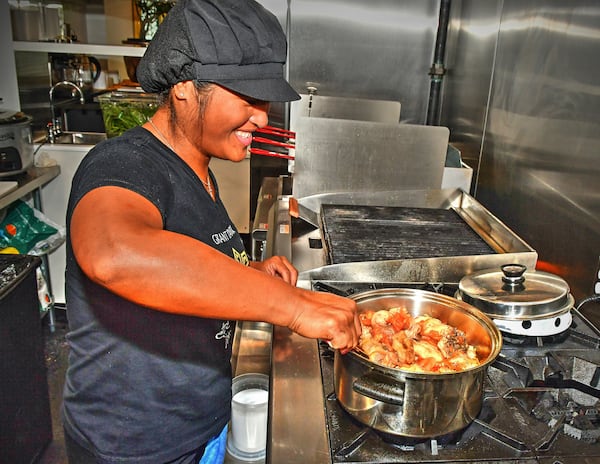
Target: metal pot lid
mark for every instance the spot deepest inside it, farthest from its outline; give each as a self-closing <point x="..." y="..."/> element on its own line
<point x="512" y="292"/>
<point x="13" y="117"/>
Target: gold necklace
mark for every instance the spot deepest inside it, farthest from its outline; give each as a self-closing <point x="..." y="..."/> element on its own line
<point x="206" y="184"/>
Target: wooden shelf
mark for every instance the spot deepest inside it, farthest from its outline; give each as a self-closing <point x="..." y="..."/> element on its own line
<point x="79" y="48"/>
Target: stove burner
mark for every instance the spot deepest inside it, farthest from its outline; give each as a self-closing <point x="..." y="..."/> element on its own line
<point x="408" y="443"/>
<point x="526" y="340"/>
<point x="584" y="426"/>
<point x="563" y="407"/>
<point x="399" y="443"/>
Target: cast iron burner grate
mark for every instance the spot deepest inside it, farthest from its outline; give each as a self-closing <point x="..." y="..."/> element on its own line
<point x="402" y="233"/>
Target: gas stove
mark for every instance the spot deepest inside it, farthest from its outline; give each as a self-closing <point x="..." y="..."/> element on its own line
<point x="540" y="398"/>
<point x="540" y="403"/>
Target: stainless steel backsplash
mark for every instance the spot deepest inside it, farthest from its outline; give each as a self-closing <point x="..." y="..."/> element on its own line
<point x="522" y="101"/>
<point x="520" y="96"/>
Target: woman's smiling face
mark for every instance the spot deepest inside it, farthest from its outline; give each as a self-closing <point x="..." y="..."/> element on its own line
<point x="227" y="122"/>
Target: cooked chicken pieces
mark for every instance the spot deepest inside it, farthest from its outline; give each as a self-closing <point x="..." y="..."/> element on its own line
<point x="394" y="338"/>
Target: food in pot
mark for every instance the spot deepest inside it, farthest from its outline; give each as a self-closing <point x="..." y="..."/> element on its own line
<point x="394" y="338"/>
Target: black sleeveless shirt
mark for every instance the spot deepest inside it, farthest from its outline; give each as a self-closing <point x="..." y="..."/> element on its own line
<point x="144" y="386"/>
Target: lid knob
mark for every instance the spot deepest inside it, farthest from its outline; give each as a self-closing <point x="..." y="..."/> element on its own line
<point x="513" y="276"/>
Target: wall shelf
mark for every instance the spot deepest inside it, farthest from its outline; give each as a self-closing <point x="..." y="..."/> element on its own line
<point x="79" y="48"/>
<point x="29" y="182"/>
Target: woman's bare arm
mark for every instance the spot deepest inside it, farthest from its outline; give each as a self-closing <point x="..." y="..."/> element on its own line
<point x="119" y="242"/>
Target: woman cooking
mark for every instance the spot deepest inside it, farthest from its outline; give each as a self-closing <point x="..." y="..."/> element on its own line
<point x="157" y="274"/>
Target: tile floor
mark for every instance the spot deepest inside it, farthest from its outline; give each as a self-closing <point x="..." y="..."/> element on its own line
<point x="56" y="363"/>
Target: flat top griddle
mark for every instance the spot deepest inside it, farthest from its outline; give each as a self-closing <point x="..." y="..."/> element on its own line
<point x="375" y="233"/>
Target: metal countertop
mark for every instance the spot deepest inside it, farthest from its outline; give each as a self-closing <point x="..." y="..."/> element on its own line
<point x="296" y="425"/>
<point x="28" y="182"/>
<point x="296" y="429"/>
<point x="251" y="354"/>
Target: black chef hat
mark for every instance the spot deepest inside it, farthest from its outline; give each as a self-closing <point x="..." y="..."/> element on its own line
<point x="235" y="43"/>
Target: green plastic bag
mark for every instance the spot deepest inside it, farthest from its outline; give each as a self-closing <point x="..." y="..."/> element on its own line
<point x="28" y="231"/>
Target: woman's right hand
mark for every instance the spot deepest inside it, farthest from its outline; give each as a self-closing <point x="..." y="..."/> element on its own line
<point x="328" y="317"/>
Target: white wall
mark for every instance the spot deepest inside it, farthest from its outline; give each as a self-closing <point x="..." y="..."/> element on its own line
<point x="119" y="27"/>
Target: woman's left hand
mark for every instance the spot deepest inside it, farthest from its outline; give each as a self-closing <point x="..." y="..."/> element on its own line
<point x="277" y="266"/>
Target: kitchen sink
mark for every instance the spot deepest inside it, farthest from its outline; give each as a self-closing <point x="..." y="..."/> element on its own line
<point x="80" y="138"/>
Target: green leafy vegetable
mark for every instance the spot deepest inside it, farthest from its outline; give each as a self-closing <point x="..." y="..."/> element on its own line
<point x="121" y="114"/>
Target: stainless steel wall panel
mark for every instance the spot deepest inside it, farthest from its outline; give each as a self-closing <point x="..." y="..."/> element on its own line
<point x="540" y="131"/>
<point x="358" y="109"/>
<point x="470" y="53"/>
<point x="339" y="155"/>
<point x="380" y="49"/>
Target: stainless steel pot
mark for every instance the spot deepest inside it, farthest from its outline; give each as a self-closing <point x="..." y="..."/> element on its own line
<point x="16" y="146"/>
<point x="410" y="404"/>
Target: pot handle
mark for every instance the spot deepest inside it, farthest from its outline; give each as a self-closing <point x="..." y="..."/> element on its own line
<point x="379" y="388"/>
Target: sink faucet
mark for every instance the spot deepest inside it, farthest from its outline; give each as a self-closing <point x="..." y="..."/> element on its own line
<point x="54" y="127"/>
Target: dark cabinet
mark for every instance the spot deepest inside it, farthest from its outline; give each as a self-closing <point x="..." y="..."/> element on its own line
<point x="25" y="420"/>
